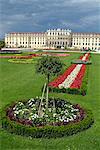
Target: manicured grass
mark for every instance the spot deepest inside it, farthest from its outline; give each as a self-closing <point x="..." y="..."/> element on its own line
<point x="19" y="81"/>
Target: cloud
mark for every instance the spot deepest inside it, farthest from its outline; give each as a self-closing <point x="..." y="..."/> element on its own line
<point x="39" y="15"/>
<point x="21" y="1"/>
<point x="90" y="20"/>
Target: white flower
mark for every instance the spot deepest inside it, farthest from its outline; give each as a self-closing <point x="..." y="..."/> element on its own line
<point x="54" y="115"/>
<point x="49" y="109"/>
<point x="43" y="109"/>
<point x="17" y="112"/>
<point x="46" y="116"/>
<point x="74" y="116"/>
<point x="67" y="120"/>
<point x="60" y="86"/>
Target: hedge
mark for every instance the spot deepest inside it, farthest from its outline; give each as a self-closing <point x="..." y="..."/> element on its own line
<point x="46" y="131"/>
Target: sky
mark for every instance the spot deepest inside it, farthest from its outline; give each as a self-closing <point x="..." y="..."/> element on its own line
<point x="40" y="15"/>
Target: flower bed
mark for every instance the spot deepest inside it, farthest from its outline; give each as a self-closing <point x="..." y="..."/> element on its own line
<point x="55" y="54"/>
<point x="10" y="52"/>
<point x="78" y="61"/>
<point x="22" y="61"/>
<point x="66" y="119"/>
<point x="71" y="80"/>
<point x="16" y="57"/>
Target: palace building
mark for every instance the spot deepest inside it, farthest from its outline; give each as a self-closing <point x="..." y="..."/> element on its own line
<point x="53" y="38"/>
<point x="86" y="40"/>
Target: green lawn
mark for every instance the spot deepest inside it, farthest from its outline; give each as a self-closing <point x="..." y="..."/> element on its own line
<point x="19" y="81"/>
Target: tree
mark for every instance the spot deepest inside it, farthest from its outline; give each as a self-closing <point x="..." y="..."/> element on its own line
<point x="2" y="44"/>
<point x="49" y="66"/>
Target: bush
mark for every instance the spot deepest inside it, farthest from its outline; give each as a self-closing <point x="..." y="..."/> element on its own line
<point x="46" y="131"/>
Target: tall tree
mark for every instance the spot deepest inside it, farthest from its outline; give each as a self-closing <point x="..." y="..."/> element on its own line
<point x="49" y="66"/>
<point x="2" y="44"/>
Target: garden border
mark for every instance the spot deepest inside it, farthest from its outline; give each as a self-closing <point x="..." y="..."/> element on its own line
<point x="46" y="131"/>
<point x="81" y="91"/>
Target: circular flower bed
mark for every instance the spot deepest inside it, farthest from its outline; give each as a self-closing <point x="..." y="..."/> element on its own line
<point x="59" y="112"/>
<point x="22" y="61"/>
<point x="61" y="118"/>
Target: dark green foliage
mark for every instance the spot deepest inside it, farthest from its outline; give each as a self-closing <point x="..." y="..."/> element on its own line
<point x="2" y="44"/>
<point x="49" y="66"/>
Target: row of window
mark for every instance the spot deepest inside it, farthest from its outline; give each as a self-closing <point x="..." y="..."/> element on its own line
<point x="27" y="43"/>
<point x="57" y="43"/>
<point x="90" y="48"/>
<point x="87" y="38"/>
<point x="23" y="39"/>
<point x="57" y="38"/>
<point x="79" y="40"/>
<point x="57" y="33"/>
<point x="23" y="35"/>
<point x="87" y="44"/>
<point x="86" y="35"/>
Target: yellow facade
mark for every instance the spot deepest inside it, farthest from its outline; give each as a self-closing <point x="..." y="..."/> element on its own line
<point x="53" y="38"/>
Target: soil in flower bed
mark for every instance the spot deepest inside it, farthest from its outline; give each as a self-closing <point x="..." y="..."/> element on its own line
<point x="59" y="112"/>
